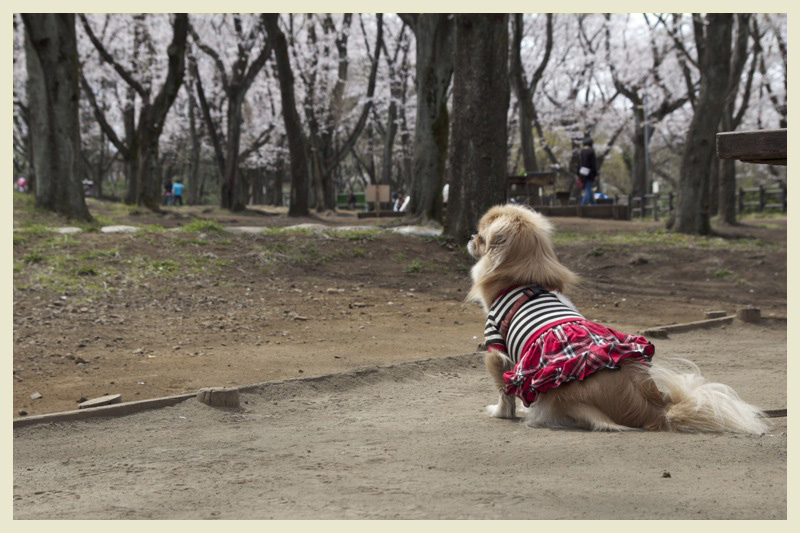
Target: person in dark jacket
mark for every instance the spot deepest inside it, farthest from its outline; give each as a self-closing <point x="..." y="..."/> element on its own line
<point x="587" y="171"/>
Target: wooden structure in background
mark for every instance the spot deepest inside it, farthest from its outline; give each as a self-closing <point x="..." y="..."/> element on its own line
<point x="761" y="146"/>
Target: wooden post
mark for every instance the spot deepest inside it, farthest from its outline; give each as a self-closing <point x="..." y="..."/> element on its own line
<point x="761" y="199"/>
<point x="655" y="206"/>
<point x="740" y="204"/>
<point x="783" y="188"/>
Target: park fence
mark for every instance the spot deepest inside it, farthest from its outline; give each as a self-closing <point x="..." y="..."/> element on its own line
<point x="748" y="200"/>
<point x="761" y="199"/>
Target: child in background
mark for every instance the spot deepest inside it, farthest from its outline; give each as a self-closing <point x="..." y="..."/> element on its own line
<point x="177" y="193"/>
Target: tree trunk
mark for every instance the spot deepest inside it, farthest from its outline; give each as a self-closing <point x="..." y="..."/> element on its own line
<point x="53" y="89"/>
<point x="713" y="185"/>
<point x="130" y="162"/>
<point x="232" y="195"/>
<point x="639" y="166"/>
<point x="194" y="158"/>
<point x="388" y="140"/>
<point x="692" y="211"/>
<point x="298" y="156"/>
<point x="726" y="195"/>
<point x="480" y="106"/>
<point x="524" y="97"/>
<point x="434" y="34"/>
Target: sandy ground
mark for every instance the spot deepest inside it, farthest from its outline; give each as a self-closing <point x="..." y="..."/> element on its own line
<point x="410" y="441"/>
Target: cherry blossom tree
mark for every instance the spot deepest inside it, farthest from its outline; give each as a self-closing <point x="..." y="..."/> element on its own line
<point x="141" y="151"/>
<point x="237" y="73"/>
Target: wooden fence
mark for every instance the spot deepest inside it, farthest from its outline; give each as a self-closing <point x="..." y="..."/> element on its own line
<point x="753" y="199"/>
<point x="761" y="198"/>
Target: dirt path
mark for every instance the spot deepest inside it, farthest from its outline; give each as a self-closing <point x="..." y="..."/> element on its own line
<point x="411" y="441"/>
<point x="167" y="312"/>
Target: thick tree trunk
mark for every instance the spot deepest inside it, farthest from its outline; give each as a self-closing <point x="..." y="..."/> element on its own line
<point x="298" y="198"/>
<point x="480" y="106"/>
<point x="148" y="180"/>
<point x="53" y="91"/>
<point x="692" y="214"/>
<point x="232" y="196"/>
<point x="434" y="33"/>
<point x="713" y="185"/>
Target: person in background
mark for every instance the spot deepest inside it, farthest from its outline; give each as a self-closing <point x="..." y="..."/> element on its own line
<point x="587" y="171"/>
<point x="22" y="184"/>
<point x="177" y="192"/>
<point x="167" y="192"/>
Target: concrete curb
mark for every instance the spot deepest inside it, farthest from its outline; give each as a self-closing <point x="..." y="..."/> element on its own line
<point x="128" y="408"/>
<point x="661" y="332"/>
<point x="122" y="409"/>
<point x="118" y="409"/>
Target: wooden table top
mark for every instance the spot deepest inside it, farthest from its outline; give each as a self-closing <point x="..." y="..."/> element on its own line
<point x="758" y="146"/>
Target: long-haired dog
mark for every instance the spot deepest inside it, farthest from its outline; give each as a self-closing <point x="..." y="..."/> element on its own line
<point x="571" y="372"/>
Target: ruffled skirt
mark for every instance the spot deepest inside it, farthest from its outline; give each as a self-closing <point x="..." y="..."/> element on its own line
<point x="569" y="351"/>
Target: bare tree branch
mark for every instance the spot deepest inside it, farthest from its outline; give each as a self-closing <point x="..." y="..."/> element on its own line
<point x="108" y="58"/>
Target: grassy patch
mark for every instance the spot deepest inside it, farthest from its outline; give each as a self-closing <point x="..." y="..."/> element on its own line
<point x="33" y="257"/>
<point x="272" y="232"/>
<point x="164" y="266"/>
<point x="358" y="235"/>
<point x="722" y="273"/>
<point x="34" y="228"/>
<point x="152" y="228"/>
<point x="89" y="255"/>
<point x="443" y="240"/>
<point x="662" y="237"/>
<point x="203" y="226"/>
<point x="414" y="267"/>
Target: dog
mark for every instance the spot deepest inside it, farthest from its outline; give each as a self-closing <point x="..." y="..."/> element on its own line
<point x="568" y="371"/>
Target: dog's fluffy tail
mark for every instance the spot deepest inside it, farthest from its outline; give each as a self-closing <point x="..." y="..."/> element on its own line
<point x="697" y="405"/>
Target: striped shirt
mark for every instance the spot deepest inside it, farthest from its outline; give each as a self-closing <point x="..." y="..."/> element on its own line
<point x="519" y="314"/>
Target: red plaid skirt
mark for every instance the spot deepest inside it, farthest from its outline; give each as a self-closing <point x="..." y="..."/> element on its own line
<point x="568" y="351"/>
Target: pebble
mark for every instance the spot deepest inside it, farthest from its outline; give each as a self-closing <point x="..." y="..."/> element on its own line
<point x="36" y="396"/>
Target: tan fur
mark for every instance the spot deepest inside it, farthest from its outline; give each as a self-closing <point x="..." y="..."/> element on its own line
<point x="496" y="365"/>
<point x="513" y="247"/>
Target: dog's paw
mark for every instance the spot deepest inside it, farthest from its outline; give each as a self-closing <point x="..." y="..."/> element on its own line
<point x="499" y="410"/>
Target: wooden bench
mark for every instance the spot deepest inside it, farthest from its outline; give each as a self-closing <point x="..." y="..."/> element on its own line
<point x="759" y="146"/>
<point x="521" y="185"/>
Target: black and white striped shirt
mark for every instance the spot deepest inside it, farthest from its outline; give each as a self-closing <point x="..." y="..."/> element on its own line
<point x="521" y="312"/>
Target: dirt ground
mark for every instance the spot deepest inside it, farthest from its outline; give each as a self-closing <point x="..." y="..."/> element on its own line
<point x="410" y="441"/>
<point x="163" y="312"/>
